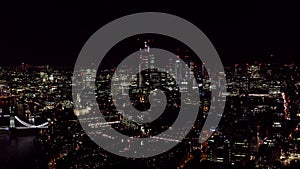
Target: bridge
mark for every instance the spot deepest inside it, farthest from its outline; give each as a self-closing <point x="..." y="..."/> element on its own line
<point x="25" y="125"/>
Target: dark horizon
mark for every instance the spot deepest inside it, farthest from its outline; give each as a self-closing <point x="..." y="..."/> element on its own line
<point x="53" y="33"/>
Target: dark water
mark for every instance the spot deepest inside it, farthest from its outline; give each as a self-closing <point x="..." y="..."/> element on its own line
<point x="20" y="152"/>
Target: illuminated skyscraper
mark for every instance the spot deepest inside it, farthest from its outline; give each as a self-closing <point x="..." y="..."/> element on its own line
<point x="145" y="60"/>
<point x="178" y="70"/>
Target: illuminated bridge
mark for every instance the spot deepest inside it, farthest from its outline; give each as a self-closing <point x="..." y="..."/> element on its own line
<point x="24" y="124"/>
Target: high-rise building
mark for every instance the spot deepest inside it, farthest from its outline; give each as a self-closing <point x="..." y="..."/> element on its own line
<point x="144" y="61"/>
<point x="219" y="149"/>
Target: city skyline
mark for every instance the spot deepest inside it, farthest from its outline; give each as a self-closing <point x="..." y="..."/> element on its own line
<point x="261" y="101"/>
<point x="53" y="113"/>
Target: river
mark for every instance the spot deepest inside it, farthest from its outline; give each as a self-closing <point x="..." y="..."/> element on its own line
<point x="20" y="152"/>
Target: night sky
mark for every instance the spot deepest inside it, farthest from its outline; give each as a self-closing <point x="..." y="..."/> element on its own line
<point x="52" y="32"/>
